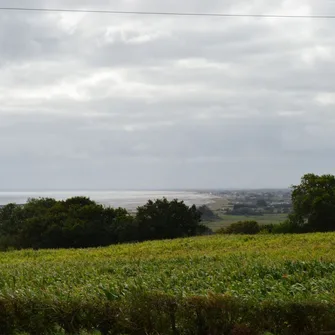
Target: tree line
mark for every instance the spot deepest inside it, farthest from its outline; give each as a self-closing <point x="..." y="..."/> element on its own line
<point x="313" y="210"/>
<point x="79" y="222"/>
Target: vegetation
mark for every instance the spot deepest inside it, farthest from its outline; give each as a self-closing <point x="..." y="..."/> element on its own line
<point x="283" y="284"/>
<point x="80" y="223"/>
<point x="244" y="209"/>
<point x="207" y="214"/>
<point x="313" y="210"/>
<point x="314" y="204"/>
<point x="242" y="227"/>
<point x="278" y="283"/>
<point x="227" y="220"/>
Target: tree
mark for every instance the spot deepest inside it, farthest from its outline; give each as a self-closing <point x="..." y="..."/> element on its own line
<point x="165" y="219"/>
<point x="79" y="201"/>
<point x="207" y="214"/>
<point x="11" y="219"/>
<point x="80" y="223"/>
<point x="74" y="223"/>
<point x="120" y="225"/>
<point x="313" y="202"/>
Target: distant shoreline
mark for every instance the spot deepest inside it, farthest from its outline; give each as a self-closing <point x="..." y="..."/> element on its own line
<point x="126" y="199"/>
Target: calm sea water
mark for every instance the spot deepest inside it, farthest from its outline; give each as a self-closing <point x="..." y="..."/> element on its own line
<point x="126" y="199"/>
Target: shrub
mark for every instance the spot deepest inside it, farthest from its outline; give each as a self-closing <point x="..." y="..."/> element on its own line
<point x="286" y="227"/>
<point x="165" y="315"/>
<point x="267" y="228"/>
<point x="241" y="227"/>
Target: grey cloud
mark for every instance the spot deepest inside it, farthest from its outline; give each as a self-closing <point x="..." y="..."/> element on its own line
<point x="103" y="101"/>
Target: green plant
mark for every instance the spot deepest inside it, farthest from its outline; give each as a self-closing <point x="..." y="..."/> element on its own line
<point x="242" y="227"/>
<point x="206" y="285"/>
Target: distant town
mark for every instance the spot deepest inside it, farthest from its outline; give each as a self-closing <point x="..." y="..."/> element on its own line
<point x="263" y="206"/>
<point x="256" y="202"/>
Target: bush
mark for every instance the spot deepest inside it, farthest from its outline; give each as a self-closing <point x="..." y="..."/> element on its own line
<point x="267" y="228"/>
<point x="286" y="227"/>
<point x="165" y="315"/>
<point x="241" y="227"/>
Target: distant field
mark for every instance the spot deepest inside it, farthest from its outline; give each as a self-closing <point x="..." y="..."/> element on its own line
<point x="226" y="220"/>
<point x="205" y="285"/>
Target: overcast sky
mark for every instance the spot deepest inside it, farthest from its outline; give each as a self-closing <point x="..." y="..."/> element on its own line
<point x="107" y="101"/>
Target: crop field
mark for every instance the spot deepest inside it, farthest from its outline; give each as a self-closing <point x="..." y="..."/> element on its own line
<point x="226" y="220"/>
<point x="206" y="285"/>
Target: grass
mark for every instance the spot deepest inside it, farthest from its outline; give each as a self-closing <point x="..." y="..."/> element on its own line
<point x="226" y="220"/>
<point x="161" y="287"/>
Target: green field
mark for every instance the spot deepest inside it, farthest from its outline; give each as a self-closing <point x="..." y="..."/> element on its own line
<point x="187" y="286"/>
<point x="226" y="220"/>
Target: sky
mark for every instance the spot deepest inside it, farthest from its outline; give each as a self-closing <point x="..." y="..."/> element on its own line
<point x="91" y="101"/>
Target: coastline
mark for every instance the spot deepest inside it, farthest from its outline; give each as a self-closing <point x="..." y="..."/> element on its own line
<point x="126" y="199"/>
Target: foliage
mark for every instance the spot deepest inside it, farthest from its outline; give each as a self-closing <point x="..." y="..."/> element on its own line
<point x="226" y="220"/>
<point x="80" y="223"/>
<point x="244" y="209"/>
<point x="267" y="228"/>
<point x="242" y="227"/>
<point x="313" y="203"/>
<point x="207" y="214"/>
<point x="283" y="284"/>
<point x="286" y="227"/>
<point x="166" y="219"/>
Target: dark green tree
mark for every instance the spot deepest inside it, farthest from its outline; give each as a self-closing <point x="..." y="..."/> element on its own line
<point x="313" y="202"/>
<point x="36" y="220"/>
<point x="78" y="202"/>
<point x="163" y="219"/>
<point x="80" y="223"/>
<point x="11" y="219"/>
<point x="207" y="214"/>
<point x="74" y="223"/>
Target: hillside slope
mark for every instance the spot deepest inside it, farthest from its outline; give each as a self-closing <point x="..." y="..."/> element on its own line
<point x="186" y="286"/>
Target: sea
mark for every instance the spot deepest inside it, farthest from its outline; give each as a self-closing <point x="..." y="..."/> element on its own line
<point x="126" y="199"/>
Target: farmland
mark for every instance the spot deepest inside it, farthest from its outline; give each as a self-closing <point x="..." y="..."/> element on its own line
<point x="263" y="206"/>
<point x="226" y="220"/>
<point x="283" y="284"/>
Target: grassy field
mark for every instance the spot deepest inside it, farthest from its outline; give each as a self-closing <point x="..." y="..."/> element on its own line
<point x="207" y="285"/>
<point x="226" y="220"/>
